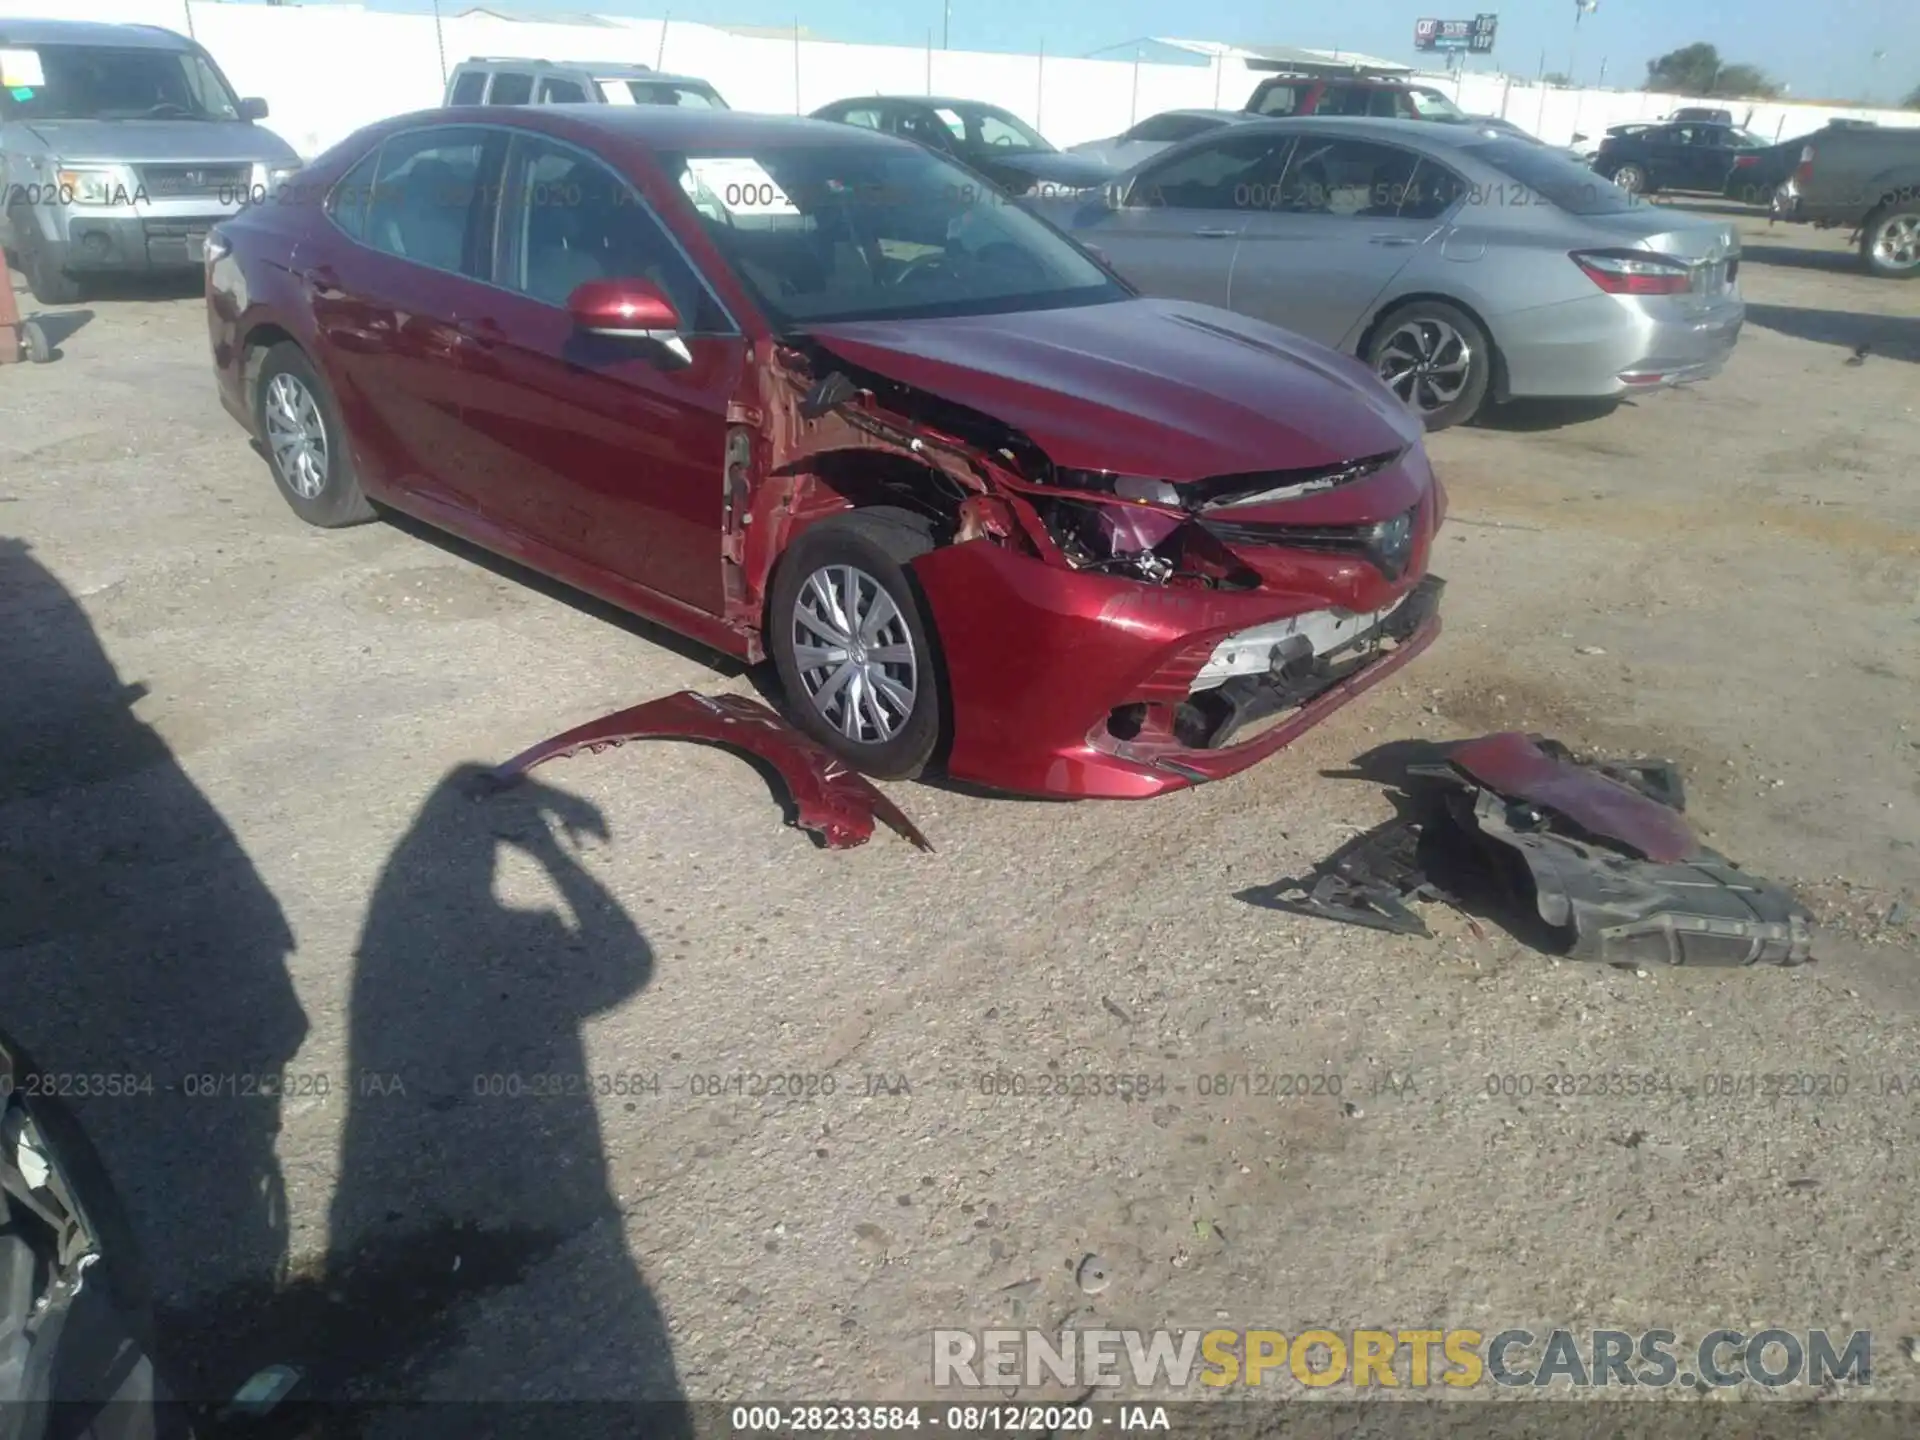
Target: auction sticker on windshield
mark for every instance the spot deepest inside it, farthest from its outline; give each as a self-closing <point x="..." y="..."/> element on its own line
<point x="20" y="70"/>
<point x="738" y="184"/>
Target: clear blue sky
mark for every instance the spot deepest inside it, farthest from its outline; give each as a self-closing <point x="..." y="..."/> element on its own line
<point x="1821" y="48"/>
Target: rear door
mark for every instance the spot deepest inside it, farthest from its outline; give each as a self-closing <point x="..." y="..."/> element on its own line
<point x="387" y="293"/>
<point x="601" y="448"/>
<point x="1177" y="234"/>
<point x="1351" y="214"/>
<point x="1666" y="151"/>
<point x="1708" y="157"/>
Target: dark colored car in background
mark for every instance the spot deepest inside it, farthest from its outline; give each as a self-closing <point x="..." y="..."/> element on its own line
<point x="1352" y="97"/>
<point x="996" y="142"/>
<point x="1692" y="155"/>
<point x="801" y="391"/>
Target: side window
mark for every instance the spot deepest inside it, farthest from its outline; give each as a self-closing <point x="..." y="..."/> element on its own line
<point x="562" y="92"/>
<point x="568" y="219"/>
<point x="350" y="198"/>
<point x="469" y="88"/>
<point x="923" y="126"/>
<point x="1347" y="178"/>
<point x="425" y="198"/>
<point x="510" y="88"/>
<point x="1236" y="173"/>
<point x="1391" y="105"/>
<point x="868" y="119"/>
<point x="995" y="131"/>
<point x="1279" y="100"/>
<point x="1346" y="100"/>
<point x="1432" y="192"/>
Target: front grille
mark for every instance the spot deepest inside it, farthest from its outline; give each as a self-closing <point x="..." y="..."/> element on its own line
<point x="196" y="182"/>
<point x="1387" y="545"/>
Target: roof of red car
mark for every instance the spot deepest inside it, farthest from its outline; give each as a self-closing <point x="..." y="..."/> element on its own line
<point x="667" y="126"/>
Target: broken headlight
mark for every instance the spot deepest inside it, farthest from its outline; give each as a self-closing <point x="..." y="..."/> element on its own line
<point x="1118" y="539"/>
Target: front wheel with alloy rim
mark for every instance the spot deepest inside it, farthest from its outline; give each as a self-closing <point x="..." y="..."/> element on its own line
<point x="306" y="444"/>
<point x="853" y="644"/>
<point x="1890" y="241"/>
<point x="1436" y="358"/>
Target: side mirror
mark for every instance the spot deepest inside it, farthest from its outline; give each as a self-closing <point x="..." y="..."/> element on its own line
<point x="253" y="108"/>
<point x="629" y="310"/>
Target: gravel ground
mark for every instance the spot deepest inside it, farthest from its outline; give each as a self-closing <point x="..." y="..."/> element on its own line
<point x="263" y="861"/>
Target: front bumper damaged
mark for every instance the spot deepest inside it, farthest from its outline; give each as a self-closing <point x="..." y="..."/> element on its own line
<point x="1081" y="685"/>
<point x="1597" y="852"/>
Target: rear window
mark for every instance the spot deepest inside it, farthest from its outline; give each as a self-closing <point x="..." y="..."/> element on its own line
<point x="468" y="89"/>
<point x="1556" y="178"/>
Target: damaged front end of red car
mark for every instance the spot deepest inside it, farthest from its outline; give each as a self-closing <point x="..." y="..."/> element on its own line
<point x="1103" y="634"/>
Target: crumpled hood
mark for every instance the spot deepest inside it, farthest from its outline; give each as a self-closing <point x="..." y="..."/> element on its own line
<point x="1162" y="388"/>
<point x="181" y="142"/>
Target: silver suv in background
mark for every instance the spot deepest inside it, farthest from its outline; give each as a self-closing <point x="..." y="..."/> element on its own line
<point x="120" y="147"/>
<point x="506" y="80"/>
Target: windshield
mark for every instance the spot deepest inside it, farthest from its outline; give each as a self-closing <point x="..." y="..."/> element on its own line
<point x="827" y="233"/>
<point x="661" y="92"/>
<point x="976" y="127"/>
<point x="100" y="82"/>
<point x="1554" y="176"/>
<point x="1432" y="105"/>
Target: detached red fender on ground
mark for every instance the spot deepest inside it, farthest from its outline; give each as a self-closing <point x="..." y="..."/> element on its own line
<point x="831" y="801"/>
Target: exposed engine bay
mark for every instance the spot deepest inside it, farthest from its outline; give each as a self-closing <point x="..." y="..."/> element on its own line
<point x="988" y="479"/>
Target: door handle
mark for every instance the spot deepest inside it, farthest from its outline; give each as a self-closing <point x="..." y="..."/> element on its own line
<point x="1207" y="232"/>
<point x="1397" y="240"/>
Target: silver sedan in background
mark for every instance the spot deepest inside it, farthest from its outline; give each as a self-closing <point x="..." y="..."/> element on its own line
<point x="1462" y="267"/>
<point x="1154" y="134"/>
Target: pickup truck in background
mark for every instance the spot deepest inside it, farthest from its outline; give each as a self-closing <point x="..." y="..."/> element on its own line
<point x="1869" y="179"/>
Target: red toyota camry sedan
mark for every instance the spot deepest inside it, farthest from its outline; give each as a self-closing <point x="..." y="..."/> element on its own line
<point x="814" y="394"/>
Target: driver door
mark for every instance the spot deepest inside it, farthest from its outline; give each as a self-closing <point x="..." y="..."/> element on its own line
<point x="1179" y="231"/>
<point x="602" y="448"/>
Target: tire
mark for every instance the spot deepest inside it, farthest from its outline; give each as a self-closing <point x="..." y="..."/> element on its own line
<point x="1890" y="240"/>
<point x="49" y="283"/>
<point x="1631" y="178"/>
<point x="1433" y="334"/>
<point x="871" y="548"/>
<point x="327" y="493"/>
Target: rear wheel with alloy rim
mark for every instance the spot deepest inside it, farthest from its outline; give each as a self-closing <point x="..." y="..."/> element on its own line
<point x="1630" y="178"/>
<point x="1436" y="358"/>
<point x="306" y="443"/>
<point x="1890" y="241"/>
<point x="852" y="643"/>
